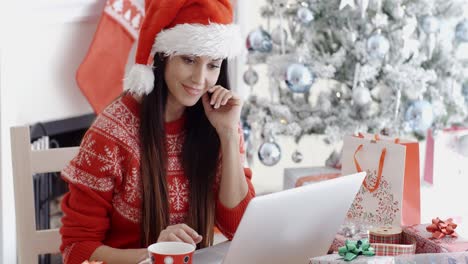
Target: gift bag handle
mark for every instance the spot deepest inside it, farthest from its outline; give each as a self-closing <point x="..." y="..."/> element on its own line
<point x="377" y="138"/>
<point x="379" y="173"/>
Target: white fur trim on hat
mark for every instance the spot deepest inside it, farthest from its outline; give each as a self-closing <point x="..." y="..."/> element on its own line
<point x="214" y="40"/>
<point x="140" y="80"/>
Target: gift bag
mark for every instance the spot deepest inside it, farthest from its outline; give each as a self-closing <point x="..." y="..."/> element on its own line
<point x="446" y="171"/>
<point x="390" y="193"/>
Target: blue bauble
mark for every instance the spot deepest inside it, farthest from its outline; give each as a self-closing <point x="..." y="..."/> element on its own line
<point x="377" y="46"/>
<point x="420" y="116"/>
<point x="305" y="15"/>
<point x="461" y="31"/>
<point x="259" y="40"/>
<point x="430" y="24"/>
<point x="299" y="78"/>
<point x="465" y="91"/>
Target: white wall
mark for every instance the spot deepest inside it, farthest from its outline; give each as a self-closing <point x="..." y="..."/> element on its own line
<point x="41" y="47"/>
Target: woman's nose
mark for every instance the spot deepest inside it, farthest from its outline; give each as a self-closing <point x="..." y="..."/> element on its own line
<point x="198" y="75"/>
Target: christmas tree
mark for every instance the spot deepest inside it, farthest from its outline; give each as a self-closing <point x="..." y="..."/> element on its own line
<point x="392" y="68"/>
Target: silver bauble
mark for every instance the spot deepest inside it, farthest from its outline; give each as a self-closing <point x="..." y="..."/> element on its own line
<point x="250" y="77"/>
<point x="304" y="15"/>
<point x="259" y="40"/>
<point x="430" y="24"/>
<point x="361" y="96"/>
<point x="299" y="78"/>
<point x="461" y="31"/>
<point x="297" y="156"/>
<point x="377" y="46"/>
<point x="276" y="35"/>
<point x="269" y="153"/>
<point x="246" y="129"/>
<point x="420" y="116"/>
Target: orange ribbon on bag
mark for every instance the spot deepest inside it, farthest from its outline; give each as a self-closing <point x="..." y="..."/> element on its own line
<point x="440" y="229"/>
<point x="379" y="173"/>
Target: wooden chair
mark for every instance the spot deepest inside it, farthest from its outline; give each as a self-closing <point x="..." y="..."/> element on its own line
<point x="26" y="162"/>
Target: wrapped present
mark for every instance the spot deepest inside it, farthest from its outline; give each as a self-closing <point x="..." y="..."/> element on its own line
<point x="386" y="240"/>
<point x="337" y="259"/>
<point x="397" y="244"/>
<point x="295" y="177"/>
<point x="439" y="258"/>
<point x="350" y="230"/>
<point x="426" y="243"/>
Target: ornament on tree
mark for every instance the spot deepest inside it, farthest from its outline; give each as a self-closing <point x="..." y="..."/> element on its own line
<point x="349" y="3"/>
<point x="269" y="153"/>
<point x="280" y="3"/>
<point x="246" y="131"/>
<point x="420" y="116"/>
<point x="465" y="91"/>
<point x="430" y="24"/>
<point x="259" y="40"/>
<point x="377" y="46"/>
<point x="462" y="146"/>
<point x="304" y="15"/>
<point x="461" y="31"/>
<point x="276" y="35"/>
<point x="299" y="78"/>
<point x="297" y="156"/>
<point x="250" y="77"/>
<point x="363" y="4"/>
<point x="361" y="95"/>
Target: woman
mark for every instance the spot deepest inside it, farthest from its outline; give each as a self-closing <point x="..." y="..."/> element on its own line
<point x="164" y="161"/>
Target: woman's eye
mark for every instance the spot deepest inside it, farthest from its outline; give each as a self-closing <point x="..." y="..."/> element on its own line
<point x="213" y="66"/>
<point x="188" y="60"/>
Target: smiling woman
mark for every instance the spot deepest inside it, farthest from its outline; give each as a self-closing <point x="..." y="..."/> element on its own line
<point x="164" y="161"/>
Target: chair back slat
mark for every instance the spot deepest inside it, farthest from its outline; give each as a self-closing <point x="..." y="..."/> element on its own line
<point x="26" y="163"/>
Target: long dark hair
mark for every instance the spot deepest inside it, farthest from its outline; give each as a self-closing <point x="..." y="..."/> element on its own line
<point x="199" y="156"/>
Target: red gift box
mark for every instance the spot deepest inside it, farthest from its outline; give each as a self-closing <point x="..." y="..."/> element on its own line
<point x="426" y="244"/>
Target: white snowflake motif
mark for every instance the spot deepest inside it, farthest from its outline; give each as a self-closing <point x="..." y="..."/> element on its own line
<point x="132" y="186"/>
<point x="178" y="194"/>
<point x="86" y="151"/>
<point x="174" y="143"/>
<point x="112" y="160"/>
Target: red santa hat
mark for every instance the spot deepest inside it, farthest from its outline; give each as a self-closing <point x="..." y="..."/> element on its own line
<point x="182" y="27"/>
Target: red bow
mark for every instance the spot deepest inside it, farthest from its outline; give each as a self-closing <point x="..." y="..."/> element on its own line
<point x="440" y="229"/>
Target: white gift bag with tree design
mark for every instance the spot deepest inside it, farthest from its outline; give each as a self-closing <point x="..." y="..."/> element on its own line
<point x="390" y="193"/>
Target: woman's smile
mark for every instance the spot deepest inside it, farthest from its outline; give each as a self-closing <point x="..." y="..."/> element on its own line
<point x="192" y="91"/>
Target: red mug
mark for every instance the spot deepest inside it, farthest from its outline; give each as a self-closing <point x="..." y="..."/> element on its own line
<point x="171" y="253"/>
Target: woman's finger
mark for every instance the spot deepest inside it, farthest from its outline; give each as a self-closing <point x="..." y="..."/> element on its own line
<point x="189" y="230"/>
<point x="182" y="235"/>
<point x="220" y="98"/>
<point x="173" y="237"/>
<point x="215" y="94"/>
<point x="226" y="98"/>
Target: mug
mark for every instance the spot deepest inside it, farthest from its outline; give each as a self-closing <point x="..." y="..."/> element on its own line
<point x="170" y="253"/>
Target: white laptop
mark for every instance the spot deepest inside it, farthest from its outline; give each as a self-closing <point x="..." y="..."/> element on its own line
<point x="289" y="226"/>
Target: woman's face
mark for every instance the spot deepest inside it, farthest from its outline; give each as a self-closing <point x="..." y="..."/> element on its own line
<point x="189" y="77"/>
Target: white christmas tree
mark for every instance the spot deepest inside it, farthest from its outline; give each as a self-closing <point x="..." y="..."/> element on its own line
<point x="391" y="65"/>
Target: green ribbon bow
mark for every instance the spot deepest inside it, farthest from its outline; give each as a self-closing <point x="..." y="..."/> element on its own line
<point x="353" y="249"/>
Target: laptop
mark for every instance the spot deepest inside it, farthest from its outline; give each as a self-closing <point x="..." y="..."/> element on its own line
<point x="289" y="226"/>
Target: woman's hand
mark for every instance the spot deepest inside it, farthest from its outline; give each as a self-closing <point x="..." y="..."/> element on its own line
<point x="180" y="233"/>
<point x="222" y="109"/>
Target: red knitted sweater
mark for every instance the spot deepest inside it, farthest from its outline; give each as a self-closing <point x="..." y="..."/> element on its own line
<point x="103" y="206"/>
